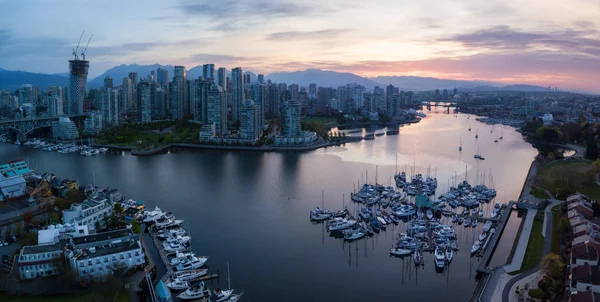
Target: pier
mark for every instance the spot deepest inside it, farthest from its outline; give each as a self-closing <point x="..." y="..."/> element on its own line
<point x="490" y="244"/>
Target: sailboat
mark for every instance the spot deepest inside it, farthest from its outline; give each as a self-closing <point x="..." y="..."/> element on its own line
<point x="500" y="135"/>
<point x="476" y="134"/>
<point x="460" y="147"/>
<point x="223" y="295"/>
<point x="469" y="126"/>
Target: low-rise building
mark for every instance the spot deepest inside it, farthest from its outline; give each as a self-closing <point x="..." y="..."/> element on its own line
<point x="64" y="129"/>
<point x="88" y="212"/>
<point x="40" y="260"/>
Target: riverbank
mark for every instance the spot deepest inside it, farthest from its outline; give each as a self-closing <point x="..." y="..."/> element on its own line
<point x="352" y="124"/>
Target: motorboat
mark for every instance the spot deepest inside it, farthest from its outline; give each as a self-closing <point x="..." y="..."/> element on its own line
<point x="429" y="214"/>
<point x="181" y="257"/>
<point x="173" y="247"/>
<point x="482" y="236"/>
<point x="396" y="251"/>
<point x="340" y="224"/>
<point x="189" y="264"/>
<point x="487" y="226"/>
<point x="178" y="284"/>
<point x="167" y="223"/>
<point x="405" y="211"/>
<point x="497" y="205"/>
<point x="341" y="213"/>
<point x="198" y="292"/>
<point x="354" y="235"/>
<point x="474" y="222"/>
<point x="189" y="275"/>
<point x="417" y="257"/>
<point x="420" y="214"/>
<point x="440" y="258"/>
<point x="154" y="215"/>
<point x="475" y="247"/>
<point x="494" y="214"/>
<point x="319" y="214"/>
<point x="480" y="214"/>
<point x="449" y="254"/>
<point x="235" y="298"/>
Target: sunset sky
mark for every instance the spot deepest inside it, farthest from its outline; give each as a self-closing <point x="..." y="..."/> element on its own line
<point x="527" y="41"/>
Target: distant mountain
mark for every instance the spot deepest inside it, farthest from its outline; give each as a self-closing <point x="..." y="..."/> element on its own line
<point x="12" y="80"/>
<point x="196" y="72"/>
<point x="427" y="83"/>
<point x="323" y="78"/>
<point x="530" y="88"/>
<point x="117" y="73"/>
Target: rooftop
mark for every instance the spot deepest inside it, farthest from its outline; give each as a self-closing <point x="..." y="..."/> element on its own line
<point x="124" y="247"/>
<point x="103" y="236"/>
<point x="586" y="251"/>
<point x="586" y="296"/>
<point x="38" y="249"/>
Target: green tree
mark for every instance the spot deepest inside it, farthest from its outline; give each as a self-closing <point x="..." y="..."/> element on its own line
<point x="97" y="226"/>
<point x="135" y="226"/>
<point x="28" y="217"/>
<point x="564" y="225"/>
<point x="552" y="266"/>
<point x="54" y="217"/>
<point x="117" y="209"/>
<point x="74" y="196"/>
<point x="537" y="293"/>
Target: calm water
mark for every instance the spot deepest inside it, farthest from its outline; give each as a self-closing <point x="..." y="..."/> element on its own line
<point x="251" y="209"/>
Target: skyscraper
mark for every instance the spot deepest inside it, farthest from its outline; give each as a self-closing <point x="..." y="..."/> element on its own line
<point x="208" y="72"/>
<point x="294" y="90"/>
<point x="259" y="95"/>
<point x="290" y="119"/>
<point x="127" y="95"/>
<point x="272" y="103"/>
<point x="261" y="78"/>
<point x="179" y="102"/>
<point x="222" y="78"/>
<point x="162" y="76"/>
<point x="312" y="90"/>
<point x="247" y="79"/>
<point x="159" y="110"/>
<point x="78" y="72"/>
<point x="27" y="95"/>
<point x="250" y="127"/>
<point x="145" y="94"/>
<point x="55" y="105"/>
<point x="133" y="76"/>
<point x="108" y="82"/>
<point x="237" y="93"/>
<point x="217" y="109"/>
<point x="110" y="108"/>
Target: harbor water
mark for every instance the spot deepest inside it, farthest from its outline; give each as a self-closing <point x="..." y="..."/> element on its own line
<point x="251" y="208"/>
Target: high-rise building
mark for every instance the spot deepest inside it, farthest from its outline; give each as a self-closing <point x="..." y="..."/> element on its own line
<point x="247" y="79"/>
<point x="261" y="78"/>
<point x="162" y="76"/>
<point x="222" y="78"/>
<point x="133" y="76"/>
<point x="127" y="95"/>
<point x="146" y="93"/>
<point x="312" y="90"/>
<point x="369" y="101"/>
<point x="290" y="119"/>
<point x="272" y="107"/>
<point x="392" y="96"/>
<point x="379" y="99"/>
<point x="259" y="95"/>
<point x="217" y="109"/>
<point x="159" y="110"/>
<point x="64" y="129"/>
<point x="27" y="95"/>
<point x="110" y="107"/>
<point x="78" y="72"/>
<point x="237" y="93"/>
<point x="250" y="127"/>
<point x="153" y="76"/>
<point x="208" y="72"/>
<point x="93" y="124"/>
<point x="294" y="90"/>
<point x="325" y="94"/>
<point x="108" y="82"/>
<point x="178" y="90"/>
<point x="55" y="105"/>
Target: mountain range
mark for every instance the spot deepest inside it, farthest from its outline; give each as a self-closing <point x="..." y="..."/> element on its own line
<point x="324" y="78"/>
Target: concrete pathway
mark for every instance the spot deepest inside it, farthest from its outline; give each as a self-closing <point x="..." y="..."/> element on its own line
<point x="532" y="280"/>
<point x="517" y="259"/>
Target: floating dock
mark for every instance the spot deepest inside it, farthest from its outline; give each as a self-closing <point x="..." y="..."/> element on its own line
<point x="492" y="241"/>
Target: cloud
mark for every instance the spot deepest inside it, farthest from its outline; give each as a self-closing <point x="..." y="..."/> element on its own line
<point x="307" y="35"/>
<point x="216" y="58"/>
<point x="429" y="23"/>
<point x="140" y="46"/>
<point x="233" y="8"/>
<point x="507" y="39"/>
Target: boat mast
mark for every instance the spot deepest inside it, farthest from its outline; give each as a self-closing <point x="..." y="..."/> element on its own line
<point x="228" y="276"/>
<point x="376" y="167"/>
<point x="323" y="198"/>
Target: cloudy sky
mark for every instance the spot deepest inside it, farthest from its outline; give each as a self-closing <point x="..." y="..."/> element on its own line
<point x="517" y="41"/>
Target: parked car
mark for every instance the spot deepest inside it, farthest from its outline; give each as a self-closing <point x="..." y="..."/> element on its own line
<point x="7" y="261"/>
<point x="5" y="242"/>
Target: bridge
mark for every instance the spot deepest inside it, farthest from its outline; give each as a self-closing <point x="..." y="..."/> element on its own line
<point x="26" y="125"/>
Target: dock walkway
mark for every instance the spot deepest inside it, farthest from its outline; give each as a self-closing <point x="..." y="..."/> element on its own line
<point x="493" y="241"/>
<point x="517" y="259"/>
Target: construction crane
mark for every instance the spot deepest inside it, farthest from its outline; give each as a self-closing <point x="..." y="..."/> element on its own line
<point x="86" y="46"/>
<point x="76" y="48"/>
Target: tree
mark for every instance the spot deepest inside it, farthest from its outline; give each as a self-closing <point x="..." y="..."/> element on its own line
<point x="564" y="224"/>
<point x="97" y="226"/>
<point x="591" y="151"/>
<point x="537" y="293"/>
<point x="117" y="209"/>
<point x="135" y="226"/>
<point x="27" y="217"/>
<point x="19" y="229"/>
<point x="552" y="266"/>
<point x="54" y="218"/>
<point x="7" y="234"/>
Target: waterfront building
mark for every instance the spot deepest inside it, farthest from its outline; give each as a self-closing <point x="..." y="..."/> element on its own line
<point x="291" y="132"/>
<point x="216" y="109"/>
<point x="100" y="256"/>
<point x="250" y="127"/>
<point x="392" y="96"/>
<point x="379" y="99"/>
<point x="93" y="123"/>
<point x="15" y="167"/>
<point x="237" y="93"/>
<point x="40" y="261"/>
<point x="110" y="108"/>
<point x="146" y="94"/>
<point x="78" y="72"/>
<point x="88" y="212"/>
<point x="159" y="106"/>
<point x="208" y="72"/>
<point x="162" y="76"/>
<point x="64" y="129"/>
<point x="12" y="186"/>
<point x="28" y="95"/>
<point x="178" y="91"/>
<point x="259" y="96"/>
<point x="334" y="104"/>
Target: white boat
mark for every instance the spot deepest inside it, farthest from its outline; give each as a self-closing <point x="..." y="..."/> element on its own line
<point x="494" y="214"/>
<point x="396" y="251"/>
<point x="487" y="226"/>
<point x="480" y="213"/>
<point x="449" y="254"/>
<point x="223" y="295"/>
<point x="474" y="222"/>
<point x="154" y="215"/>
<point x="235" y="298"/>
<point x="194" y="293"/>
<point x="354" y="235"/>
<point x="497" y="205"/>
<point x="482" y="236"/>
<point x="429" y="214"/>
<point x="189" y="264"/>
<point x="320" y="215"/>
<point x="475" y="247"/>
<point x="440" y="258"/>
<point x="178" y="284"/>
<point x="341" y="224"/>
<point x="171" y="247"/>
<point x="183" y="257"/>
<point x="189" y="275"/>
<point x="167" y="223"/>
<point x="420" y="214"/>
<point x="17" y="142"/>
<point x="381" y="220"/>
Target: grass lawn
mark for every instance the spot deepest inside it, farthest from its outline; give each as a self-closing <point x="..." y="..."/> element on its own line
<point x="555" y="246"/>
<point x="535" y="247"/>
<point x="577" y="175"/>
<point x="326" y="121"/>
<point x="103" y="296"/>
<point x="539" y="193"/>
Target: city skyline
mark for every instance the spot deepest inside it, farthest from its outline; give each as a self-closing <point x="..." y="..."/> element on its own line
<point x="532" y="42"/>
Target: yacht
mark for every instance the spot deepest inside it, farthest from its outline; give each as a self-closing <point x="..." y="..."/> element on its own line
<point x="319" y="214"/>
<point x="195" y="293"/>
<point x="354" y="234"/>
<point x="223" y="295"/>
<point x="154" y="215"/>
<point x="189" y="275"/>
<point x="178" y="284"/>
<point x="404" y="211"/>
<point x="189" y="264"/>
<point x="429" y="214"/>
<point x="487" y="226"/>
<point x="494" y="214"/>
<point x="449" y="254"/>
<point x="440" y="258"/>
<point x="417" y="257"/>
<point x="475" y="247"/>
<point x="167" y="223"/>
<point x="172" y="247"/>
<point x="341" y="224"/>
<point x="474" y="222"/>
<point x="420" y="214"/>
<point x="480" y="213"/>
<point x="396" y="251"/>
<point x="181" y="257"/>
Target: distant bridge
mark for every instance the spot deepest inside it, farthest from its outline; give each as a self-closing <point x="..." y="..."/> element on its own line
<point x="26" y="125"/>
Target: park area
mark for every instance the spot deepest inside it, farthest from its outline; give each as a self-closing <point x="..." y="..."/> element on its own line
<point x="566" y="177"/>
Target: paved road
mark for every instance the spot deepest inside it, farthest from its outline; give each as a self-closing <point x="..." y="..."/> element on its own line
<point x="546" y="251"/>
